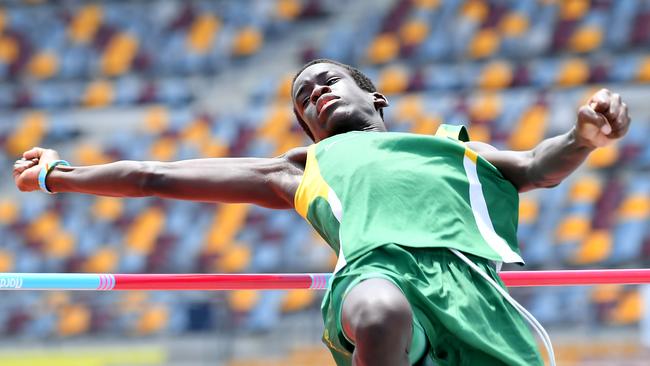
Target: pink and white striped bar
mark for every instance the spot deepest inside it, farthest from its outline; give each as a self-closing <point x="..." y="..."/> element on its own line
<point x="281" y="281"/>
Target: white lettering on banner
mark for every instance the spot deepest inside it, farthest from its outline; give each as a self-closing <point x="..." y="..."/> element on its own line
<point x="11" y="282"/>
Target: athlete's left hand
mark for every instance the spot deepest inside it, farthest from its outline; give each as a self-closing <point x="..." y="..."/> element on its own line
<point x="602" y="120"/>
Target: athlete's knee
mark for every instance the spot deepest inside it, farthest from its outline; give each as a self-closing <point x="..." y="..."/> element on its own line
<point x="386" y="320"/>
<point x="378" y="315"/>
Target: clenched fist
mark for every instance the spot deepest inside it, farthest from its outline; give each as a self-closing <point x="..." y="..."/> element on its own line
<point x="26" y="169"/>
<point x="602" y="120"/>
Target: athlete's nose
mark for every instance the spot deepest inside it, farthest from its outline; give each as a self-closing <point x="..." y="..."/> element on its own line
<point x="317" y="92"/>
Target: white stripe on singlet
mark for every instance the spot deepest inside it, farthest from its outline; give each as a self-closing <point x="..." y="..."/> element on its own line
<point x="528" y="316"/>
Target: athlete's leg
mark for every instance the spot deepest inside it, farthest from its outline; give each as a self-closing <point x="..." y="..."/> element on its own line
<point x="378" y="319"/>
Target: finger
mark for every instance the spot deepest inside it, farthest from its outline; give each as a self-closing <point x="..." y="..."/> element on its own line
<point x="19" y="168"/>
<point x="589" y="115"/>
<point x="622" y="121"/>
<point x="601" y="101"/>
<point x="614" y="110"/>
<point x="32" y="153"/>
<point x="27" y="163"/>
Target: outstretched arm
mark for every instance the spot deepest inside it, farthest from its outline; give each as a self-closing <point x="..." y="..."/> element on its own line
<point x="600" y="122"/>
<point x="269" y="182"/>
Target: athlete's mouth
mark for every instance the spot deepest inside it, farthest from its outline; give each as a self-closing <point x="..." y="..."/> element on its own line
<point x="324" y="101"/>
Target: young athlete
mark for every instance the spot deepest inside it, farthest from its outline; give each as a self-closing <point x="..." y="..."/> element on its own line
<point x="420" y="223"/>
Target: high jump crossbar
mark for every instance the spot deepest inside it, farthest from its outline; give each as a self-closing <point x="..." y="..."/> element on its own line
<point x="282" y="281"/>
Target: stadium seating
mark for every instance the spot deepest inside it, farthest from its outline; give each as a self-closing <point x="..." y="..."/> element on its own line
<point x="513" y="72"/>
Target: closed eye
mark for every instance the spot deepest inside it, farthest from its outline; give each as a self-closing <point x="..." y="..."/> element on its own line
<point x="331" y="81"/>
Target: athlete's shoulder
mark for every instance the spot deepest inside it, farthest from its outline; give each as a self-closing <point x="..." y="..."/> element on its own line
<point x="296" y="157"/>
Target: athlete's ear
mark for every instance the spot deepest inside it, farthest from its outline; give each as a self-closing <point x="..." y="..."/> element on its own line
<point x="379" y="100"/>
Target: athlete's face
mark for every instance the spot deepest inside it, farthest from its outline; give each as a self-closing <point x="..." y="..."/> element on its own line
<point x="329" y="102"/>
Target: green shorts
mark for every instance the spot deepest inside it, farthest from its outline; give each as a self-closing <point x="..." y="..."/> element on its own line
<point x="465" y="320"/>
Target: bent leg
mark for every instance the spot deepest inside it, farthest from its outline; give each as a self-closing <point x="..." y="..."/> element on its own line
<point x="377" y="318"/>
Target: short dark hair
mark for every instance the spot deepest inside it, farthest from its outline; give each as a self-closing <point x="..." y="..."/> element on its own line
<point x="361" y="79"/>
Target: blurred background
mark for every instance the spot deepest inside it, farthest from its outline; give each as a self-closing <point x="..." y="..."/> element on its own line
<point x="170" y="80"/>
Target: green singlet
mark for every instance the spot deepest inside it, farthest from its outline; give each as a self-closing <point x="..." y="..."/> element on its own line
<point x="390" y="204"/>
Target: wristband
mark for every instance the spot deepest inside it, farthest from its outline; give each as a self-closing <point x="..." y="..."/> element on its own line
<point x="45" y="171"/>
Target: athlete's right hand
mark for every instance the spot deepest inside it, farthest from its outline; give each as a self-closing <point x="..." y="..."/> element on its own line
<point x="26" y="169"/>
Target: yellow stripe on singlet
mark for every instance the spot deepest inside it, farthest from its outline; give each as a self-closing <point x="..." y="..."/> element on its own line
<point x="471" y="154"/>
<point x="312" y="184"/>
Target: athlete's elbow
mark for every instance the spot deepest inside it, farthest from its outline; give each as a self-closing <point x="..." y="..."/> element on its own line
<point x="536" y="180"/>
<point x="150" y="179"/>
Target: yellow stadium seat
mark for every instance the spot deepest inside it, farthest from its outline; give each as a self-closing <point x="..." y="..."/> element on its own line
<point x="196" y="133"/>
<point x="296" y="300"/>
<point x="288" y="9"/>
<point x="384" y="48"/>
<point x="164" y="149"/>
<point x="414" y="32"/>
<point x="105" y="260"/>
<point x="142" y="234"/>
<point x="629" y="309"/>
<point x="153" y="319"/>
<point x="29" y="133"/>
<point x="309" y="355"/>
<point x="595" y="248"/>
<point x="214" y="148"/>
<point x="133" y="302"/>
<point x="9" y="211"/>
<point x="513" y="24"/>
<point x="99" y="93"/>
<point x="635" y="207"/>
<point x="9" y="49"/>
<point x="56" y="300"/>
<point x="90" y="154"/>
<point x="573" y="9"/>
<point x="3" y="20"/>
<point x="202" y="33"/>
<point x="528" y="210"/>
<point x="643" y="74"/>
<point x="409" y="108"/>
<point x="6" y="261"/>
<point x="476" y="10"/>
<point x="426" y="4"/>
<point x="228" y="220"/>
<point x="484" y="44"/>
<point x="235" y="259"/>
<point x="606" y="293"/>
<point x="573" y="72"/>
<point x="283" y="93"/>
<point x="278" y="122"/>
<point x="496" y="75"/>
<point x="480" y="132"/>
<point x="43" y="65"/>
<point x="119" y="54"/>
<point x="603" y="157"/>
<point x="530" y="128"/>
<point x="586" y="39"/>
<point x="486" y="107"/>
<point x="426" y="125"/>
<point x="43" y="226"/>
<point x="247" y="41"/>
<point x="393" y="80"/>
<point x="108" y="208"/>
<point x="74" y="319"/>
<point x="573" y="228"/>
<point x="586" y="189"/>
<point x="289" y="141"/>
<point x="59" y="245"/>
<point x="85" y="23"/>
<point x="156" y="119"/>
<point x="243" y="300"/>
